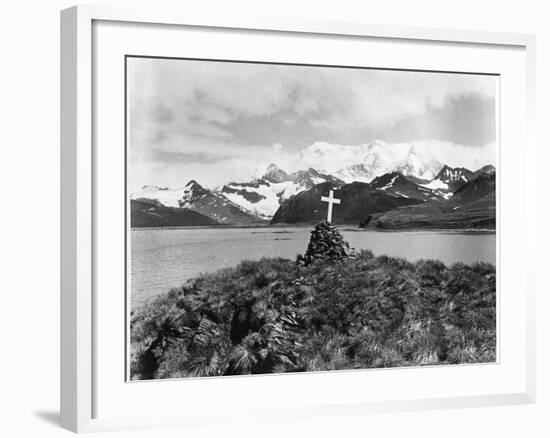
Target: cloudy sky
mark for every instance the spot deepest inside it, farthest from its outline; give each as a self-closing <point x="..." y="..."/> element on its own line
<point x="220" y="121"/>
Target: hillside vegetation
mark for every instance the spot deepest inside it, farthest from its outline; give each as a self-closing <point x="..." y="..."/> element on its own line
<point x="276" y="315"/>
<point x="473" y="206"/>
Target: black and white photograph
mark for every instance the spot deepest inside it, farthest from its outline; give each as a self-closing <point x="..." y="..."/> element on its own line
<point x="286" y="218"/>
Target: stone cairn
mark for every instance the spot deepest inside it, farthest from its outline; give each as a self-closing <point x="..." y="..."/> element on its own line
<point x="326" y="244"/>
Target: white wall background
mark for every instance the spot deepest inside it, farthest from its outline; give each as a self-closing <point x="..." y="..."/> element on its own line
<point x="29" y="215"/>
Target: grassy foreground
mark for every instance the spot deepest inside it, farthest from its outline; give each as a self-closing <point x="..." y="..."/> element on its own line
<point x="274" y="316"/>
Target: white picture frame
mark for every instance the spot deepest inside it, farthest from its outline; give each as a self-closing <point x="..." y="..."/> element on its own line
<point x="82" y="368"/>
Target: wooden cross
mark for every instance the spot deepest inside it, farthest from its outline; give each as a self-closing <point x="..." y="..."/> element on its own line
<point x="331" y="200"/>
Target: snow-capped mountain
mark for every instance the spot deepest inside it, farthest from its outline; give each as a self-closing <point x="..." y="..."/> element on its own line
<point x="274" y="174"/>
<point x="389" y="170"/>
<point x="263" y="196"/>
<point x="367" y="161"/>
<point x="416" y="166"/>
<point x="195" y="197"/>
<point x="356" y="172"/>
<point x="449" y="179"/>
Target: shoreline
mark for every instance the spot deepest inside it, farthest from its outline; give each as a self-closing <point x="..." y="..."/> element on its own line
<point x="347" y="227"/>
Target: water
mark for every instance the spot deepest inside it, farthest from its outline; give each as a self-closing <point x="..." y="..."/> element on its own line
<point x="166" y="258"/>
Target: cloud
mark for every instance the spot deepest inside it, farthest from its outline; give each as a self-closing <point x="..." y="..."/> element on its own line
<point x="457" y="155"/>
<point x="176" y="174"/>
<point x="225" y="120"/>
<point x="333" y="98"/>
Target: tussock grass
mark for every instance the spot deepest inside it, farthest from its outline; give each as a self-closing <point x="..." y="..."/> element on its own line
<point x="274" y="316"/>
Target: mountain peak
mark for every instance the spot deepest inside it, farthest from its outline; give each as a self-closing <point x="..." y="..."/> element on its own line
<point x="275" y="174"/>
<point x="488" y="168"/>
<point x="193" y="189"/>
<point x="454" y="174"/>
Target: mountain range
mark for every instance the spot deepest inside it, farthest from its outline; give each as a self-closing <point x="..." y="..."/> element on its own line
<point x="378" y="184"/>
<point x="365" y="162"/>
<point x="264" y="196"/>
<point x="216" y="208"/>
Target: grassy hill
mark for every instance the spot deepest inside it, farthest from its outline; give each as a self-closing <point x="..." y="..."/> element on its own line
<point x="472" y="206"/>
<point x="274" y="316"/>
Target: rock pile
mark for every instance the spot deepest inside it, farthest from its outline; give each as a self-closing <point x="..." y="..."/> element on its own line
<point x="326" y="243"/>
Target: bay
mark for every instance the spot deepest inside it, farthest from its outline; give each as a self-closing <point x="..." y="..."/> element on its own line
<point x="165" y="258"/>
